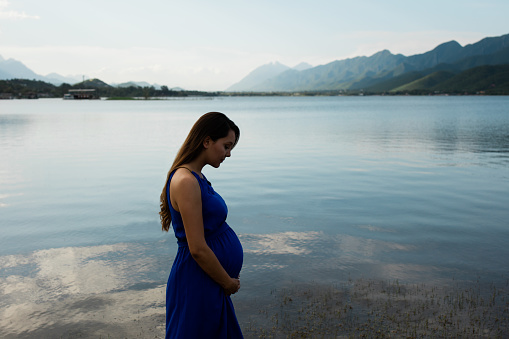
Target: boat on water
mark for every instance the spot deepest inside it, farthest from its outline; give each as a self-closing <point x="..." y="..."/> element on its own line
<point x="81" y="94"/>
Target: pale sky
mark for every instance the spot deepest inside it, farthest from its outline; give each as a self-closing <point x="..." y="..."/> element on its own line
<point x="212" y="44"/>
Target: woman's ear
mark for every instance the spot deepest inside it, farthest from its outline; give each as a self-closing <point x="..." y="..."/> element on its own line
<point x="207" y="142"/>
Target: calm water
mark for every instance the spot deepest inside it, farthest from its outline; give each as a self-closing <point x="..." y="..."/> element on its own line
<point x="319" y="189"/>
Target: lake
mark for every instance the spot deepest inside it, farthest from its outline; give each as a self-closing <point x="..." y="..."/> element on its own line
<point x="319" y="189"/>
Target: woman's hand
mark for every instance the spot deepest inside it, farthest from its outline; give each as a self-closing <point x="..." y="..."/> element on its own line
<point x="233" y="287"/>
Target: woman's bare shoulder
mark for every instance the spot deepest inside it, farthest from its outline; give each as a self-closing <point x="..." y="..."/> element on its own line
<point x="184" y="191"/>
<point x="184" y="179"/>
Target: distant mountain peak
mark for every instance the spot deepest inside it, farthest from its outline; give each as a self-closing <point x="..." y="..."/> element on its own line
<point x="92" y="83"/>
<point x="383" y="52"/>
<point x="259" y="75"/>
<point x="448" y="46"/>
<point x="449" y="43"/>
<point x="14" y="69"/>
<point x="136" y="84"/>
<point x="58" y="79"/>
<point x="302" y="66"/>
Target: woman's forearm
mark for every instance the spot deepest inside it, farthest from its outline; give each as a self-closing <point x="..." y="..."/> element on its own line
<point x="209" y="263"/>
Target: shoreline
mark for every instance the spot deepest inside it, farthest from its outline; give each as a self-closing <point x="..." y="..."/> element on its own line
<point x="382" y="309"/>
<point x="118" y="291"/>
<point x="360" y="308"/>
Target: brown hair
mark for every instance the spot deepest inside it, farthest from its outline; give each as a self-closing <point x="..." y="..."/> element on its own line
<point x="215" y="125"/>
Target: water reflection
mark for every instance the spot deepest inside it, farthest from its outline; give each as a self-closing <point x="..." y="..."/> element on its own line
<point x="296" y="243"/>
<point x="392" y="188"/>
<point x="14" y="129"/>
<point x="317" y="255"/>
<point x="473" y="139"/>
<point x="89" y="291"/>
<point x="98" y="289"/>
<point x="453" y="130"/>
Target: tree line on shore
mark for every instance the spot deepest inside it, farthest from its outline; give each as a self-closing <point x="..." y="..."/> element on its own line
<point x="33" y="89"/>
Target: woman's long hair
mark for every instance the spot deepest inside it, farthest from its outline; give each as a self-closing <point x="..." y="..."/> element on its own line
<point x="214" y="125"/>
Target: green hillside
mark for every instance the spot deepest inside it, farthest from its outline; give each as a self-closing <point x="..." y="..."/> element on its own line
<point x="488" y="79"/>
<point x="426" y="82"/>
<point x="448" y="79"/>
<point x="388" y="85"/>
<point x="24" y="86"/>
<point x="386" y="72"/>
<point x="499" y="58"/>
<point x="92" y="84"/>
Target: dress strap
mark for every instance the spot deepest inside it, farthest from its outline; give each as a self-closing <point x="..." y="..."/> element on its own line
<point x="202" y="177"/>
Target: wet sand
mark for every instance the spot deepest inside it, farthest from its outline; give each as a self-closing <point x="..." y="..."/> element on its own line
<point x="380" y="309"/>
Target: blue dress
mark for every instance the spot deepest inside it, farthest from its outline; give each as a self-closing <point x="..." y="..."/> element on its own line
<point x="196" y="306"/>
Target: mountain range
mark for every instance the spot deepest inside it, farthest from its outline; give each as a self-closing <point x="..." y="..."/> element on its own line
<point x="440" y="68"/>
<point x="14" y="69"/>
<point x="450" y="67"/>
<point x="264" y="73"/>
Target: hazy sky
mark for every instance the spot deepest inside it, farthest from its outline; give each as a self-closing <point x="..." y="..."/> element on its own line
<point x="209" y="45"/>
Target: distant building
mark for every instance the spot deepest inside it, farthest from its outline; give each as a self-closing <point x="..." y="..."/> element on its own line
<point x="79" y="94"/>
<point x="6" y="96"/>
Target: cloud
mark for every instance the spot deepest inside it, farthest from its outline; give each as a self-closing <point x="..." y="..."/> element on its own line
<point x="12" y="14"/>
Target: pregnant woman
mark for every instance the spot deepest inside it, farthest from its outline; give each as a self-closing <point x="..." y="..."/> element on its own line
<point x="206" y="270"/>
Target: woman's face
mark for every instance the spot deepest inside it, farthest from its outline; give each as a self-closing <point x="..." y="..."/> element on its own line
<point x="218" y="150"/>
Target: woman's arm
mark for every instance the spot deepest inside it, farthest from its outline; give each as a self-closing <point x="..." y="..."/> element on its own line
<point x="186" y="194"/>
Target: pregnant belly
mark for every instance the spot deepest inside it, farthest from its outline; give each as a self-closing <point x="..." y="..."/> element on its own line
<point x="228" y="250"/>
